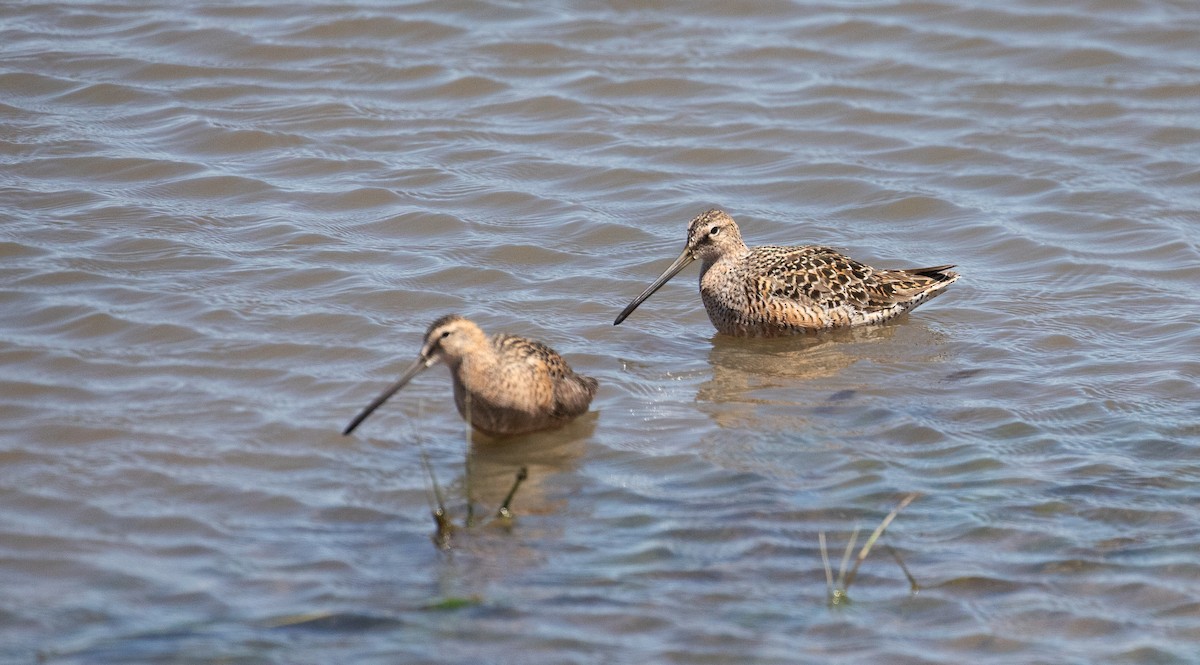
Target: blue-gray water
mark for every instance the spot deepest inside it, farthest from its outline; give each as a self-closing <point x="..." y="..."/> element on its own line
<point x="224" y="227"/>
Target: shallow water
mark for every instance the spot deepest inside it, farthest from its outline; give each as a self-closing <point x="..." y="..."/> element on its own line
<point x="225" y="227"/>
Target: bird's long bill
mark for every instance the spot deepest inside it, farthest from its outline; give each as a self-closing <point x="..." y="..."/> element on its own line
<point x="414" y="369"/>
<point x="680" y="263"/>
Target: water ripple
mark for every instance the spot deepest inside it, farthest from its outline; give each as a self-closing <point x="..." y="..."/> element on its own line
<point x="227" y="226"/>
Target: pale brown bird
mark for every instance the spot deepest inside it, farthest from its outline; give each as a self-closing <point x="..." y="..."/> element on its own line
<point x="503" y="384"/>
<point x="774" y="291"/>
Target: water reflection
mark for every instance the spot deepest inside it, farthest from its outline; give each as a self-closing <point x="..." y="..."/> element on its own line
<point x="493" y="463"/>
<point x="479" y="549"/>
<point x="742" y="364"/>
<point x="749" y="373"/>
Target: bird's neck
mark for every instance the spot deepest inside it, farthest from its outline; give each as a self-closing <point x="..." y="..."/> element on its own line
<point x="730" y="257"/>
<point x="473" y="370"/>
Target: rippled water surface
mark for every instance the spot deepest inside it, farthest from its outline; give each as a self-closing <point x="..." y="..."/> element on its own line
<point x="225" y="226"/>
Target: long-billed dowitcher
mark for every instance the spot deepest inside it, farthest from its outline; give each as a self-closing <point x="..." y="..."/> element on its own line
<point x="503" y="384"/>
<point x="773" y="291"/>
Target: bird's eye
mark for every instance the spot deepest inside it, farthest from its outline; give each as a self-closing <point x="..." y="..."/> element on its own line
<point x="714" y="230"/>
<point x="445" y="334"/>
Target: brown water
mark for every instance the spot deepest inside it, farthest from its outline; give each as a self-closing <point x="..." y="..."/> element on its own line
<point x="223" y="229"/>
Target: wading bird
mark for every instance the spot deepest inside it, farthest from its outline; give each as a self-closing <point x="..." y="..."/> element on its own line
<point x="774" y="291"/>
<point x="503" y="384"/>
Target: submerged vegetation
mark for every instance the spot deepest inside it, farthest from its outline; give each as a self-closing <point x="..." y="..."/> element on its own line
<point x="444" y="527"/>
<point x="838" y="593"/>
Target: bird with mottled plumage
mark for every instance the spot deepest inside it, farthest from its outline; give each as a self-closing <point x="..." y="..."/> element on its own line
<point x="503" y="384"/>
<point x="774" y="291"/>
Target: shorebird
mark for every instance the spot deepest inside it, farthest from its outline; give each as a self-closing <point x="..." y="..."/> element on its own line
<point x="503" y="384"/>
<point x="774" y="291"/>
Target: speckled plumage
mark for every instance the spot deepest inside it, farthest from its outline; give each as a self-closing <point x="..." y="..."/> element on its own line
<point x="503" y="384"/>
<point x="773" y="291"/>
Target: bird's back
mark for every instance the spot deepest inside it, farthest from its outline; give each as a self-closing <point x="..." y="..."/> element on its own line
<point x="775" y="290"/>
<point x="530" y="387"/>
<point x="562" y="392"/>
